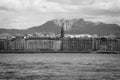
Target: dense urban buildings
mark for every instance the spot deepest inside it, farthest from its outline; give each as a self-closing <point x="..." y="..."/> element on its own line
<point x="50" y="42"/>
<point x="55" y="43"/>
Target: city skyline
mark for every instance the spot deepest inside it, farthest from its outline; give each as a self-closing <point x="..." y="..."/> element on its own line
<point x="23" y="14"/>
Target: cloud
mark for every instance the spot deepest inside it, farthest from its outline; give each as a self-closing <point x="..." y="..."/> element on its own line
<point x="3" y="8"/>
<point x="27" y="13"/>
<point x="46" y="6"/>
<point x="101" y="7"/>
<point x="35" y="5"/>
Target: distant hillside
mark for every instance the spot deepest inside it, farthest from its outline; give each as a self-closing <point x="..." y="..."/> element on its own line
<point x="11" y="31"/>
<point x="75" y="26"/>
<point x="49" y="26"/>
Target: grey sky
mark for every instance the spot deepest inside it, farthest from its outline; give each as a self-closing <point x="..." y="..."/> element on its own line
<point x="23" y="14"/>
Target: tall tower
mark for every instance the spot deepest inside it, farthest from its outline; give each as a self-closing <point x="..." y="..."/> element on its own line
<point x="62" y="36"/>
<point x="62" y="31"/>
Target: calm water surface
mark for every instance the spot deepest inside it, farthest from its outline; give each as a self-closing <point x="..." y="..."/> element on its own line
<point x="59" y="66"/>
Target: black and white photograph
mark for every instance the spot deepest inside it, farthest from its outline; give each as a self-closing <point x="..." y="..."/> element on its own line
<point x="59" y="39"/>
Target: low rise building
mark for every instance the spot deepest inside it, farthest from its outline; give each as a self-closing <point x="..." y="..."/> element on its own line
<point x="118" y="45"/>
<point x="42" y="44"/>
<point x="78" y="44"/>
<point x="17" y="44"/>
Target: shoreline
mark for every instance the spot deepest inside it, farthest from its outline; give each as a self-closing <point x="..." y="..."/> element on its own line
<point x="81" y="52"/>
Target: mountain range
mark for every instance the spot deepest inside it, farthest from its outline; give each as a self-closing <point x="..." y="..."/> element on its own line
<point x="74" y="26"/>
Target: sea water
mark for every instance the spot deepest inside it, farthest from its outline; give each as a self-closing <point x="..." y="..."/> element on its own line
<point x="59" y="66"/>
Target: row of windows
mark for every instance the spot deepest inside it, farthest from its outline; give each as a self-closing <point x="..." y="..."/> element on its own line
<point x="67" y="44"/>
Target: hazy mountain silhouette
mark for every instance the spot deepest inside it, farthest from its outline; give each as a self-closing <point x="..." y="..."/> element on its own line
<point x="74" y="26"/>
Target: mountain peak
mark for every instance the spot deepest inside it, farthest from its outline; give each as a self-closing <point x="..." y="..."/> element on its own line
<point x="71" y="26"/>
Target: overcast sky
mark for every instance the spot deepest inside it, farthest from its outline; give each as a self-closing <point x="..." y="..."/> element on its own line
<point x="23" y="14"/>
